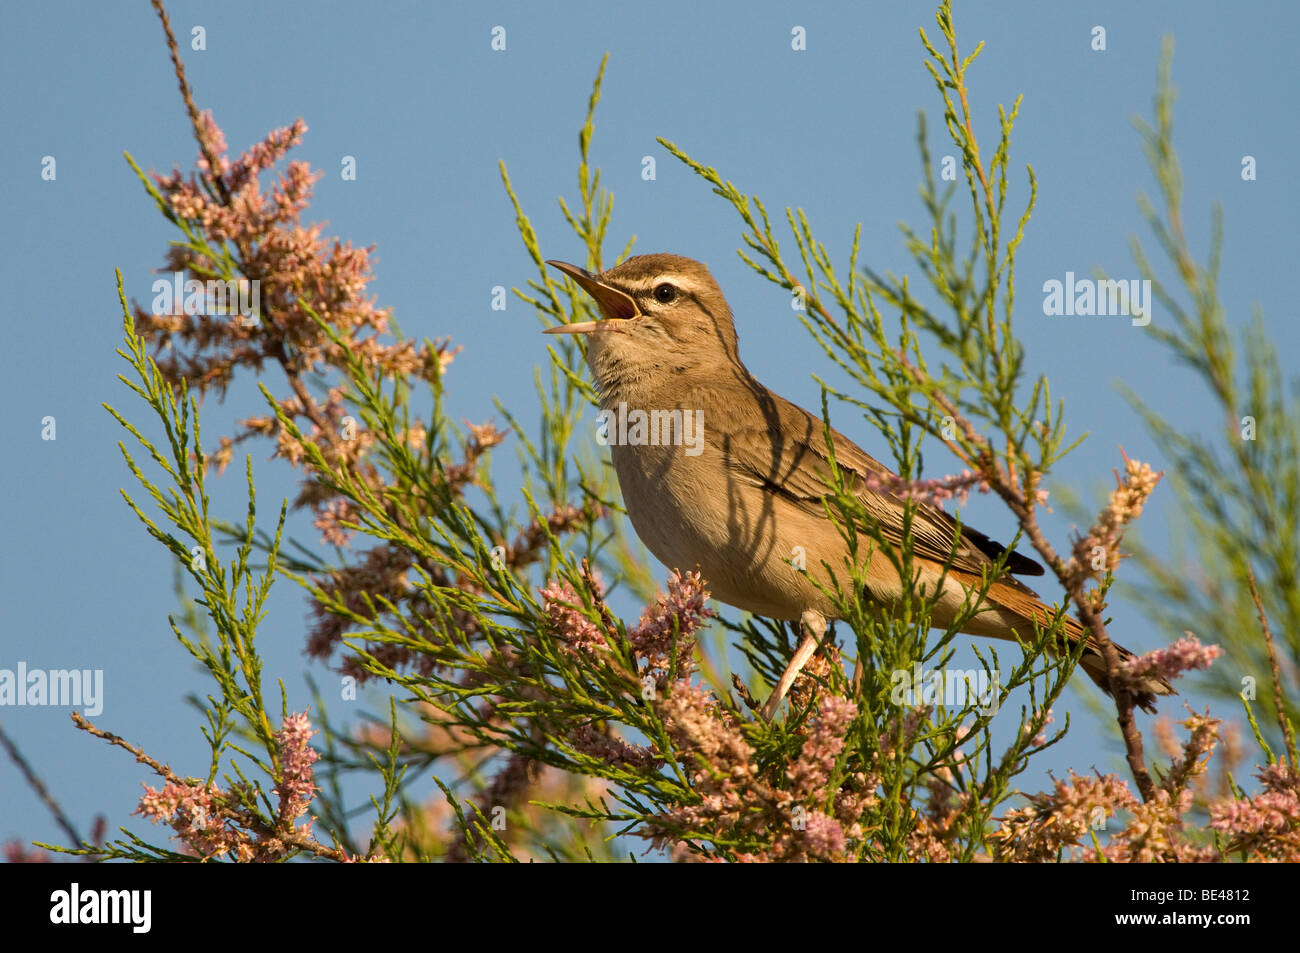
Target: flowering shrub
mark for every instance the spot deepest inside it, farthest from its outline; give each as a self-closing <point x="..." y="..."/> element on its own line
<point x="549" y="723"/>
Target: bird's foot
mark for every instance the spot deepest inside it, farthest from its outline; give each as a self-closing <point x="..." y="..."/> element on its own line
<point x="814" y="626"/>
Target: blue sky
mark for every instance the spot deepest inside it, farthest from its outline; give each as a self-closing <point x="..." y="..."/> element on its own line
<point x="417" y="95"/>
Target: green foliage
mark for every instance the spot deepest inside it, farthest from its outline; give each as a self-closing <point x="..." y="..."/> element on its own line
<point x="237" y="724"/>
<point x="545" y="748"/>
<point x="1238" y="487"/>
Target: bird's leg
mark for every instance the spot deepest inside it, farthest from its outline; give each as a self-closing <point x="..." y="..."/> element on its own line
<point x="814" y="626"/>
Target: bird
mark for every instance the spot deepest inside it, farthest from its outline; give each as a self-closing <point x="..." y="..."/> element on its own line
<point x="741" y="489"/>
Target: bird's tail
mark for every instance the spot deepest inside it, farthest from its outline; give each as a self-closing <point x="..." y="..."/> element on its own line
<point x="1025" y="604"/>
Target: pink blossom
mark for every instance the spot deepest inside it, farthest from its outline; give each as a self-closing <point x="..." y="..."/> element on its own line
<point x="1125" y="505"/>
<point x="823" y="834"/>
<point x="194" y="813"/>
<point x="1169" y="662"/>
<point x="297" y="787"/>
<point x="812" y="770"/>
<point x="611" y="749"/>
<point x="665" y="635"/>
<point x="932" y="491"/>
<point x="578" y="635"/>
<point x="1267" y="825"/>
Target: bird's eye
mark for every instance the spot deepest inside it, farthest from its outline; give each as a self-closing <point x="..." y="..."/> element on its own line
<point x="665" y="293"/>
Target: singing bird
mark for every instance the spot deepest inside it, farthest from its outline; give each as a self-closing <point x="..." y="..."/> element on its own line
<point x="739" y="503"/>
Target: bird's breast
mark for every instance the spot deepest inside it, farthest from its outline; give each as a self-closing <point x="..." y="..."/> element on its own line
<point x="695" y="510"/>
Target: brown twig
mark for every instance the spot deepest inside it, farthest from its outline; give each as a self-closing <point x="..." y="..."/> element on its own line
<point x="214" y="170"/>
<point x="36" y="784"/>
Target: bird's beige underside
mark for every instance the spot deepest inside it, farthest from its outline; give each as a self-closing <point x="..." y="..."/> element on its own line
<point x="748" y="543"/>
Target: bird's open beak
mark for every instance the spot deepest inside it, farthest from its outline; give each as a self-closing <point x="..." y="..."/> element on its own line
<point x="615" y="305"/>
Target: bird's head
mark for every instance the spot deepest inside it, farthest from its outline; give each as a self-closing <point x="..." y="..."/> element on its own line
<point x="657" y="311"/>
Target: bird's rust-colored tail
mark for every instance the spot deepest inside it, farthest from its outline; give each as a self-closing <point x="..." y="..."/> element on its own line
<point x="1025" y="604"/>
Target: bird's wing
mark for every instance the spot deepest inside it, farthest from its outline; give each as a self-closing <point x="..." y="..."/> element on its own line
<point x="797" y="468"/>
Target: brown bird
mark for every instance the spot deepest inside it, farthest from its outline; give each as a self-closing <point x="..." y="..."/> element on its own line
<point x="719" y="473"/>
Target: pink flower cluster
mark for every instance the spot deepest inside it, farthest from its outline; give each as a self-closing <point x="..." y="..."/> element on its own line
<point x="1263" y="827"/>
<point x="197" y="813"/>
<point x="665" y="635"/>
<point x="734" y="797"/>
<point x="211" y="822"/>
<point x="302" y="275"/>
<point x="1184" y="655"/>
<point x="297" y="787"/>
<point x="1061" y="819"/>
<point x="298" y="270"/>
<point x="810" y="772"/>
<point x="1125" y="505"/>
<point x="933" y="491"/>
<point x="578" y="635"/>
<point x="608" y="747"/>
<point x="1267" y="826"/>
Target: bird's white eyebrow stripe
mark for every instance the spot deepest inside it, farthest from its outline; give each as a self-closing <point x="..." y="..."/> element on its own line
<point x="642" y="286"/>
